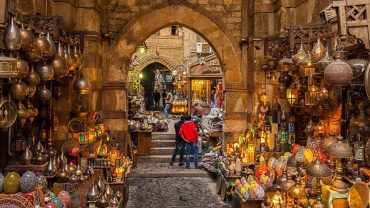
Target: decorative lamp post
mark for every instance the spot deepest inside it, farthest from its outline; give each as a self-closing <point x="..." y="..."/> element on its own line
<point x="339" y="150"/>
<point x="318" y="170"/>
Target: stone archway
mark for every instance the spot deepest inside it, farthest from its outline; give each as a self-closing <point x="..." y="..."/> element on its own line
<point x="136" y="31"/>
<point x="148" y="59"/>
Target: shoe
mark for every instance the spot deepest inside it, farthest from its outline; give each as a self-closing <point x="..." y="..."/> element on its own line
<point x="171" y="163"/>
<point x="181" y="164"/>
<point x="187" y="167"/>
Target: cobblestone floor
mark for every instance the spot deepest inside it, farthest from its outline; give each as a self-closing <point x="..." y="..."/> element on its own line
<point x="173" y="193"/>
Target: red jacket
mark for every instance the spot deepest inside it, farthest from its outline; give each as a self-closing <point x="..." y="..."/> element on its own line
<point x="189" y="131"/>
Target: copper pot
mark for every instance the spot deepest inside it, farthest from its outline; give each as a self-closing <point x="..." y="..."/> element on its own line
<point x="12" y="36"/>
<point x="22" y="68"/>
<point x="82" y="86"/>
<point x="44" y="93"/>
<point x="33" y="78"/>
<point x="33" y="55"/>
<point x="28" y="39"/>
<point x="60" y="67"/>
<point x="42" y="44"/>
<point x="52" y="48"/>
<point x="45" y="71"/>
<point x="19" y="90"/>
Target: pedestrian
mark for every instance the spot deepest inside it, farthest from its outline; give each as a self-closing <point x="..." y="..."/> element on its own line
<point x="164" y="95"/>
<point x="180" y="143"/>
<point x="168" y="101"/>
<point x="157" y="97"/>
<point x="189" y="134"/>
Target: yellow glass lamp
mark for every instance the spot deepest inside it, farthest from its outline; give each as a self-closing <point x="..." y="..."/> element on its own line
<point x="300" y="55"/>
<point x="264" y="98"/>
<point x="320" y="128"/>
<point x="308" y="155"/>
<point x="318" y="51"/>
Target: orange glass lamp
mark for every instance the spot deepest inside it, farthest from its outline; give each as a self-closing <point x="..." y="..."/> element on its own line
<point x="250" y="153"/>
<point x="320" y="128"/>
<point x="270" y="139"/>
<point x="292" y="96"/>
<point x="113" y="155"/>
<point x="119" y="172"/>
<point x="236" y="147"/>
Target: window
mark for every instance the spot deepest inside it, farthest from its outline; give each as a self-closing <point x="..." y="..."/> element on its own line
<point x="174" y="30"/>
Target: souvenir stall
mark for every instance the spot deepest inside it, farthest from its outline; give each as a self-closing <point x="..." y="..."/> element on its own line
<point x="38" y="60"/>
<point x="307" y="144"/>
<point x="205" y="84"/>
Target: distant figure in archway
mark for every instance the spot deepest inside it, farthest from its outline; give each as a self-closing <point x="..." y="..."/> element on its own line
<point x="164" y="95"/>
<point x="168" y="101"/>
<point x="157" y="97"/>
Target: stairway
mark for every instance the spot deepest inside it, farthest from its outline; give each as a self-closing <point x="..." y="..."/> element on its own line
<point x="162" y="146"/>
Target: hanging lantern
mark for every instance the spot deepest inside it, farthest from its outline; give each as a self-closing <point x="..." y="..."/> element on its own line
<point x="292" y="96"/>
<point x="175" y="72"/>
<point x="338" y="73"/>
<point x="320" y="128"/>
<point x="324" y="62"/>
<point x="318" y="51"/>
<point x="300" y="55"/>
<point x="82" y="86"/>
<point x="264" y="98"/>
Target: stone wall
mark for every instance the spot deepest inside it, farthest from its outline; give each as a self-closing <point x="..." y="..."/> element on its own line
<point x="226" y="11"/>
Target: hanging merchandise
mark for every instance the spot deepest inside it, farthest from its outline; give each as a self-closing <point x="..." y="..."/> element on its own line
<point x="59" y="63"/>
<point x="12" y="36"/>
<point x="28" y="38"/>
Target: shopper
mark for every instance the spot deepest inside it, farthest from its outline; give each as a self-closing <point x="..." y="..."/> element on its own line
<point x="189" y="134"/>
<point x="164" y="95"/>
<point x="168" y="104"/>
<point x="157" y="97"/>
<point x="180" y="143"/>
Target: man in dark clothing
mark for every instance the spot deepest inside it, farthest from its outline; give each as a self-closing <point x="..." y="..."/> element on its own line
<point x="180" y="143"/>
<point x="164" y="95"/>
<point x="157" y="97"/>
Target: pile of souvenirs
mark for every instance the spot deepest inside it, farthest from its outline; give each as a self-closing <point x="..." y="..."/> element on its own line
<point x="179" y="106"/>
<point x="213" y="121"/>
<point x="148" y="121"/>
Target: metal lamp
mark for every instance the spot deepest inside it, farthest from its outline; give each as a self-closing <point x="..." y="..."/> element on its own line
<point x="296" y="191"/>
<point x="318" y="170"/>
<point x="339" y="150"/>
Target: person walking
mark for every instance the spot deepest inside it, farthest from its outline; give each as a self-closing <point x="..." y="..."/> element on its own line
<point x="180" y="143"/>
<point x="189" y="133"/>
<point x="164" y="95"/>
<point x="168" y="104"/>
<point x="157" y="97"/>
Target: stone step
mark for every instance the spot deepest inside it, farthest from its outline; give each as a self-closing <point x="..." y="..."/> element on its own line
<point x="159" y="159"/>
<point x="162" y="150"/>
<point x="163" y="136"/>
<point x="163" y="143"/>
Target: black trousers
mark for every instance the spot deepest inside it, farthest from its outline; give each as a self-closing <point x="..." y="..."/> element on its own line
<point x="180" y="146"/>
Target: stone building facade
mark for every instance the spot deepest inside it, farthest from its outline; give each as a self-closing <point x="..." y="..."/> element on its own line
<point x="114" y="29"/>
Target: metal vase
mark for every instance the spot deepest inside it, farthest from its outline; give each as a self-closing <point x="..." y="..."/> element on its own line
<point x="50" y="168"/>
<point x="93" y="193"/>
<point x="12" y="36"/>
<point x="26" y="156"/>
<point x="42" y="44"/>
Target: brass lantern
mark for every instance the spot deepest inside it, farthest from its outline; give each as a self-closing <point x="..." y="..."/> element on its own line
<point x="292" y="96"/>
<point x="318" y="51"/>
<point x="8" y="67"/>
<point x="300" y="55"/>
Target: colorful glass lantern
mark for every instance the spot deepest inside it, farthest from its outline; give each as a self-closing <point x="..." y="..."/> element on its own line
<point x="292" y="96"/>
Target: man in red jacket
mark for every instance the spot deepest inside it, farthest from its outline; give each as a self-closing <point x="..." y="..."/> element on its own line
<point x="189" y="134"/>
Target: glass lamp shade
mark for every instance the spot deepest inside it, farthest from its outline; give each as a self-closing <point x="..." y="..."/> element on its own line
<point x="326" y="142"/>
<point x="300" y="55"/>
<point x="318" y="169"/>
<point x="338" y="73"/>
<point x="318" y="51"/>
<point x="340" y="149"/>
